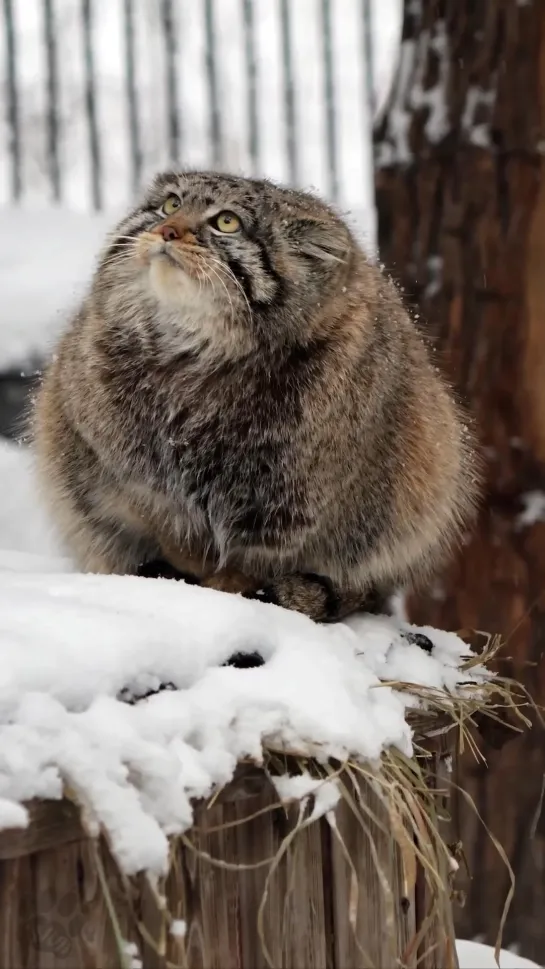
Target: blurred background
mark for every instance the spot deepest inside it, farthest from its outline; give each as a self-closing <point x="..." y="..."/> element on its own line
<point x="424" y="122"/>
<point x="99" y="94"/>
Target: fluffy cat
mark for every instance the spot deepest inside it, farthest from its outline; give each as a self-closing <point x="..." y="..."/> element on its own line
<point x="243" y="400"/>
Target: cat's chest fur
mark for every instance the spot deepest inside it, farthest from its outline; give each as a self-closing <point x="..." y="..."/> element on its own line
<point x="214" y="447"/>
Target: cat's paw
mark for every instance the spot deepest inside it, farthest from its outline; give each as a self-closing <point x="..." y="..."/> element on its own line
<point x="313" y="595"/>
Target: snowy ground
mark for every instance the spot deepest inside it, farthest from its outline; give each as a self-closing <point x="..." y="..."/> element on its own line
<point x="73" y="647"/>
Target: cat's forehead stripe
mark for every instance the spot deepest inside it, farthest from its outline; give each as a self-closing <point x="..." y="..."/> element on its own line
<point x="168" y="188"/>
<point x="208" y="189"/>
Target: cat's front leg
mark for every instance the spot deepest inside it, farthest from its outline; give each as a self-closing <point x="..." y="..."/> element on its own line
<point x="317" y="597"/>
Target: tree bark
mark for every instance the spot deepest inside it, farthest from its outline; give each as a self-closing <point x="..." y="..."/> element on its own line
<point x="460" y="187"/>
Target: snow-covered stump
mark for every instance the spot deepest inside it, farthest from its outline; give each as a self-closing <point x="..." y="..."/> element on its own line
<point x="252" y="884"/>
<point x="189" y="778"/>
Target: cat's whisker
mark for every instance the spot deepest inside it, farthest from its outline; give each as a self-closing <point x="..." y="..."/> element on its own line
<point x="120" y="251"/>
<point x="227" y="293"/>
<point x="119" y="239"/>
<point x="120" y="261"/>
<point x="229" y="272"/>
<point x="117" y="263"/>
<point x="199" y="278"/>
<point x="121" y="248"/>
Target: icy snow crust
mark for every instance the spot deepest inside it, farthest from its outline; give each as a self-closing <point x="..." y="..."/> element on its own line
<point x="71" y="644"/>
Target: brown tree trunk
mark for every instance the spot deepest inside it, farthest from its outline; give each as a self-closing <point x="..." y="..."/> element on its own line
<point x="460" y="184"/>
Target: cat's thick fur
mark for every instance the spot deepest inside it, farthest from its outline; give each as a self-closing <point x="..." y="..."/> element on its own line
<point x="254" y="406"/>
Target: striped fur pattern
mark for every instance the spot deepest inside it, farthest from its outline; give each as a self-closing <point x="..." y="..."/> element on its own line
<point x="243" y="397"/>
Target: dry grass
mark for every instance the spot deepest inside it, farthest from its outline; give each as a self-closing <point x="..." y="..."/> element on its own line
<point x="413" y="800"/>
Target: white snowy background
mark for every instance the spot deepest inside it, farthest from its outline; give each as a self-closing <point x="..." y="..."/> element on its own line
<point x="56" y="694"/>
<point x="189" y="34"/>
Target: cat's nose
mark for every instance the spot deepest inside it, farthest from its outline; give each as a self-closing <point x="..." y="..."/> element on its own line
<point x="175" y="229"/>
<point x="168" y="232"/>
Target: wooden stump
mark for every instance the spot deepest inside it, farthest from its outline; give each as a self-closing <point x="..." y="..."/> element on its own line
<point x="344" y="898"/>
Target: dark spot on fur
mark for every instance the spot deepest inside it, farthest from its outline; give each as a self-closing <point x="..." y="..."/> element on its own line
<point x="181" y="360"/>
<point x="266" y="524"/>
<point x="308" y="354"/>
<point x="252" y="520"/>
<point x="268" y="268"/>
<point x="241" y="275"/>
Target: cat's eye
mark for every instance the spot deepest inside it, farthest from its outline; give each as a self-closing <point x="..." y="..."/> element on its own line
<point x="170" y="205"/>
<point x="226" y="222"/>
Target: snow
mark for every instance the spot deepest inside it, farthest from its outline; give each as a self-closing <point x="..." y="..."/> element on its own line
<point x="410" y="94"/>
<point x="132" y="955"/>
<point x="24" y="527"/>
<point x="42" y="283"/>
<point x="534" y="509"/>
<point x="477" y="98"/>
<point x="74" y="648"/>
<point x="178" y="928"/>
<point x="12" y="815"/>
<point x="435" y="99"/>
<point x="298" y="788"/>
<point x="475" y="955"/>
<point x="435" y="276"/>
<point x="396" y="148"/>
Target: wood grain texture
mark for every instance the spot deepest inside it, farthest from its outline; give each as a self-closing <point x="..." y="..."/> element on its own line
<point x="318" y="910"/>
<point x="53" y="823"/>
<point x="461" y="207"/>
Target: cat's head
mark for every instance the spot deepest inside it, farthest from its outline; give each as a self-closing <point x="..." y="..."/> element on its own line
<point x="222" y="260"/>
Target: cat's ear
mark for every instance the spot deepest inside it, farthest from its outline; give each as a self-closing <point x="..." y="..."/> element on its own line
<point x="318" y="239"/>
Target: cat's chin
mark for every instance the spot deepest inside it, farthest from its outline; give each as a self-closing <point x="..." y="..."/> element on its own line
<point x="189" y="318"/>
<point x="175" y="285"/>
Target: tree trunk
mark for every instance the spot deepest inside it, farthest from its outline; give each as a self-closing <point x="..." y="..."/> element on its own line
<point x="460" y="184"/>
